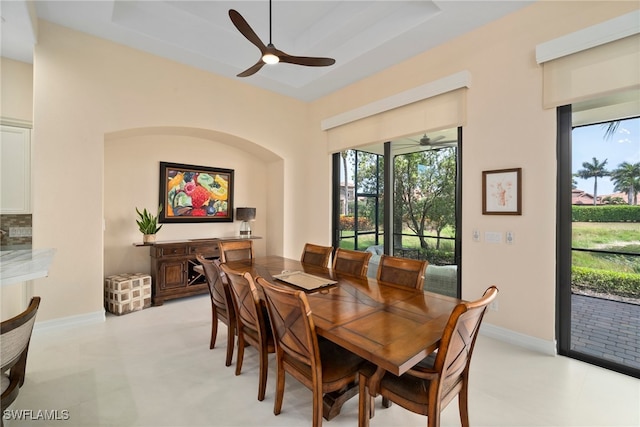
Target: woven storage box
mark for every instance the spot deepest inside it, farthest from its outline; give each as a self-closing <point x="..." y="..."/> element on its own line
<point x="124" y="293"/>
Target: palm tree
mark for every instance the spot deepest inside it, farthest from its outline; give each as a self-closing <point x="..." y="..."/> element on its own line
<point x="594" y="170"/>
<point x="626" y="177"/>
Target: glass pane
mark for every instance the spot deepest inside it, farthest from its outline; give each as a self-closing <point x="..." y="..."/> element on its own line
<point x="367" y="210"/>
<point x="368" y="175"/>
<point x="425" y="205"/>
<point x="605" y="260"/>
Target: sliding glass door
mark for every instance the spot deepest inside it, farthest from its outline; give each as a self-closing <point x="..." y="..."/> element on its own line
<point x="599" y="241"/>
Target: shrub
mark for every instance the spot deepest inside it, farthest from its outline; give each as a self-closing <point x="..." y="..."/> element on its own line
<point x="438" y="257"/>
<point x="348" y="222"/>
<point x="606" y="282"/>
<point x="609" y="213"/>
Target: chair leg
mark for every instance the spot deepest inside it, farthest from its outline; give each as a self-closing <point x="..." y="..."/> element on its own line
<point x="386" y="403"/>
<point x="277" y="404"/>
<point x="264" y="368"/>
<point x="433" y="415"/>
<point x="463" y="406"/>
<point x="364" y="402"/>
<point x="317" y="404"/>
<point x="231" y="338"/>
<point x="214" y="327"/>
<point x="240" y="353"/>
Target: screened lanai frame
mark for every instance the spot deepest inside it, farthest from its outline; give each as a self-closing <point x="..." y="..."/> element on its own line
<point x="384" y="235"/>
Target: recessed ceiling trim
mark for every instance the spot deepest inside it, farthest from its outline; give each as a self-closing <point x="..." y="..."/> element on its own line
<point x="428" y="90"/>
<point x="596" y="35"/>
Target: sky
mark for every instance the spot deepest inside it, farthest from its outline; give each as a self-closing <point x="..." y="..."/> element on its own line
<point x="589" y="142"/>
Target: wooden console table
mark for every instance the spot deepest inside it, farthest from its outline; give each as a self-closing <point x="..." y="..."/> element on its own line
<point x="172" y="266"/>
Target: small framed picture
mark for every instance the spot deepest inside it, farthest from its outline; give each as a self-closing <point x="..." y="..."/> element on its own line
<point x="502" y="192"/>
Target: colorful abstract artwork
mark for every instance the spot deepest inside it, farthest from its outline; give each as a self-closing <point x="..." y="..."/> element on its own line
<point x="195" y="193"/>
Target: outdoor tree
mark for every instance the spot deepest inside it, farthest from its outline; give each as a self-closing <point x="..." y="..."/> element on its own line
<point x="346" y="156"/>
<point x="595" y="170"/>
<point x="626" y="178"/>
<point x="425" y="191"/>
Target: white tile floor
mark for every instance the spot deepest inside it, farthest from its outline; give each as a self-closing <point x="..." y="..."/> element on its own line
<point x="154" y="368"/>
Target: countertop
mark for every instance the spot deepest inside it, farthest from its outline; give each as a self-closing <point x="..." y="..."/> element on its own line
<point x="21" y="265"/>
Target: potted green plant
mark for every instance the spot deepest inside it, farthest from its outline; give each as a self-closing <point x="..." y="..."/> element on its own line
<point x="148" y="224"/>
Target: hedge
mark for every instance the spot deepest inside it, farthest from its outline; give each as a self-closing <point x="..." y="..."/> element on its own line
<point x="609" y="213"/>
<point x="606" y="282"/>
<point x="348" y="223"/>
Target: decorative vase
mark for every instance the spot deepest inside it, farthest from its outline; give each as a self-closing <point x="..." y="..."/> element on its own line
<point x="148" y="238"/>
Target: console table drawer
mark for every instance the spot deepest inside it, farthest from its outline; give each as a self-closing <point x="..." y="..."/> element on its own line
<point x="172" y="250"/>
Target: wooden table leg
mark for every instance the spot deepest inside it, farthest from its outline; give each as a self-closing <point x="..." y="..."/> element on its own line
<point x="333" y="401"/>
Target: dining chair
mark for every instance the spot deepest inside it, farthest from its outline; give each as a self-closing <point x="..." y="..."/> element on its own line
<point x="351" y="262"/>
<point x="15" y="336"/>
<point x="221" y="303"/>
<point x="317" y="363"/>
<point x="316" y="255"/>
<point x="402" y="271"/>
<point x="252" y="323"/>
<point x="429" y="386"/>
<point x="236" y="250"/>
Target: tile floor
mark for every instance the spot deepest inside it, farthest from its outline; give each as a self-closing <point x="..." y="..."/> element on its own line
<point x="154" y="368"/>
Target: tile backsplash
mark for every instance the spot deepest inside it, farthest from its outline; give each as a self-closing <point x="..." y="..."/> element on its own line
<point x="16" y="230"/>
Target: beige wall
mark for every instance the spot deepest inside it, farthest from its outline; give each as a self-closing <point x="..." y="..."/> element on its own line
<point x="92" y="95"/>
<point x="131" y="180"/>
<point x="506" y="127"/>
<point x="93" y="99"/>
<point x="16" y="90"/>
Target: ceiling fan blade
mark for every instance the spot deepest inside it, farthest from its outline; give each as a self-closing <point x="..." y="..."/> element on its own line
<point x="252" y="70"/>
<point x="308" y="61"/>
<point x="246" y="30"/>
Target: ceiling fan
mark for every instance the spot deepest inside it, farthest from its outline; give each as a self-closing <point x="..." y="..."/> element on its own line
<point x="271" y="55"/>
<point x="425" y="141"/>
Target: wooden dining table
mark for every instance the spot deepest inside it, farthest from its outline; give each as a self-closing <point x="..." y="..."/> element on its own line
<point x="391" y="326"/>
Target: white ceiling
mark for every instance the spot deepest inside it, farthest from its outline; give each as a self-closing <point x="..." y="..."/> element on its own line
<point x="364" y="36"/>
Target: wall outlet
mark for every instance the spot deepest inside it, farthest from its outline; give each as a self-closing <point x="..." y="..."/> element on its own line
<point x="476" y="236"/>
<point x="493" y="306"/>
<point x="509" y="238"/>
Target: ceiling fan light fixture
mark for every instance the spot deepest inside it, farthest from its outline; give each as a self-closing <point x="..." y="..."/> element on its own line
<point x="270" y="58"/>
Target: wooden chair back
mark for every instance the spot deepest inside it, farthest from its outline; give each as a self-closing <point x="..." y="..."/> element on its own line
<point x="350" y="262"/>
<point x="236" y="250"/>
<point x="431" y="385"/>
<point x="252" y="322"/>
<point x="402" y="271"/>
<point x="316" y="255"/>
<point x="15" y="336"/>
<point x="321" y="366"/>
<point x="221" y="303"/>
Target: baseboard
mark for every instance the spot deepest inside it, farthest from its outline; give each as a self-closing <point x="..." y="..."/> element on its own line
<point x="516" y="338"/>
<point x="71" y="321"/>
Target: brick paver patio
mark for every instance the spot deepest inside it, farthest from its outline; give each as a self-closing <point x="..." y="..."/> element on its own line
<point x="606" y="329"/>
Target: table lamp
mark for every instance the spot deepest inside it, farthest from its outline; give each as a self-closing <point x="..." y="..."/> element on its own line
<point x="245" y="215"/>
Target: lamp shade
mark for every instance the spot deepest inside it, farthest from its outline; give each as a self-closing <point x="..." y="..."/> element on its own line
<point x="246" y="214"/>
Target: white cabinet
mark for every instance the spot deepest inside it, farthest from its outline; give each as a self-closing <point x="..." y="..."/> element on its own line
<point x="15" y="170"/>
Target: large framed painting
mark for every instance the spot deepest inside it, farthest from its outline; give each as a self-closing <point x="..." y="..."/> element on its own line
<point x="502" y="192"/>
<point x="190" y="193"/>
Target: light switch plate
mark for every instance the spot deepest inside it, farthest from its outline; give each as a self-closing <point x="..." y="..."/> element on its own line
<point x="492" y="236"/>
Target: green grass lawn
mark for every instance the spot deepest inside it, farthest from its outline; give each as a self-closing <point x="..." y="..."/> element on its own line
<point x="616" y="236"/>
